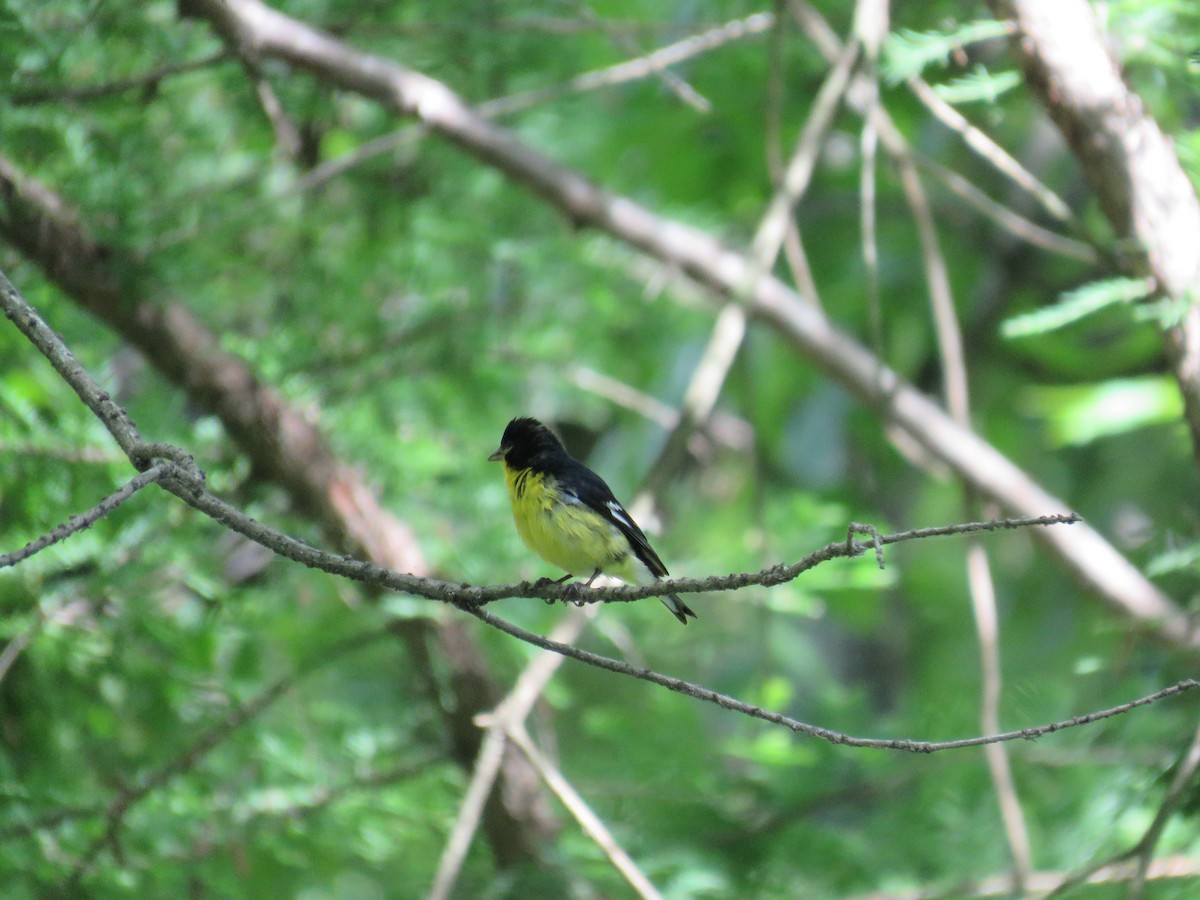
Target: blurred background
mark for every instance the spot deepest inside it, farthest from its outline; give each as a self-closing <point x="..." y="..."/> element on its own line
<point x="337" y="311"/>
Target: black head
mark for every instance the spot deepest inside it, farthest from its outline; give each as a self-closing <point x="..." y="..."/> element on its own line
<point x="524" y="441"/>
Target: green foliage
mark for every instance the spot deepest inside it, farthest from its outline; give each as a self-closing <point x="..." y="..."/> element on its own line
<point x="1079" y="414"/>
<point x="981" y="86"/>
<point x="1075" y="305"/>
<point x="907" y="53"/>
<point x="416" y="301"/>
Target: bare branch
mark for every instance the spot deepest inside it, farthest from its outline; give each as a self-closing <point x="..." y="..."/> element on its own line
<point x="591" y="823"/>
<point x="1138" y="861"/>
<point x="75" y="455"/>
<point x="672" y="82"/>
<point x="149" y="81"/>
<point x="191" y="491"/>
<point x="115" y="419"/>
<point x="470" y="814"/>
<point x="987" y="628"/>
<point x="1130" y="163"/>
<point x="15" y="647"/>
<point x="471" y="598"/>
<point x="1181" y="782"/>
<point x="989" y="150"/>
<point x="1166" y="869"/>
<point x="621" y="73"/>
<point x="320" y="797"/>
<point x="153" y="475"/>
<point x="654" y="63"/>
<point x="699" y="692"/>
<point x="288" y="142"/>
<point x="188" y="486"/>
<point x="769" y="237"/>
<point x="1083" y="551"/>
<point x="286" y="448"/>
<point x="1014" y="223"/>
<point x="512" y="711"/>
<point x="955" y="386"/>
<point x="729" y="330"/>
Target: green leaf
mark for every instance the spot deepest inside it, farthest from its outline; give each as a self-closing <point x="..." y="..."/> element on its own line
<point x="1076" y="305"/>
<point x="1181" y="559"/>
<point x="906" y="53"/>
<point x="981" y="86"/>
<point x="1081" y="414"/>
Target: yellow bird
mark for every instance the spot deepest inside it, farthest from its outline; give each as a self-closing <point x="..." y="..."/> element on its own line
<point x="568" y="516"/>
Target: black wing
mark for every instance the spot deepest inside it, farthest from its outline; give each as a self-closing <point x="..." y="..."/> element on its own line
<point x="590" y="490"/>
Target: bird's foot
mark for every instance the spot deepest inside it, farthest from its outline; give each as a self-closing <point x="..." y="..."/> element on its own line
<point x="546" y="582"/>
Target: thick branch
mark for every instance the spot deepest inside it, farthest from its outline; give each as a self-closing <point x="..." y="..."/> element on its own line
<point x="191" y="490"/>
<point x="1129" y="162"/>
<point x="1084" y="552"/>
<point x="284" y="447"/>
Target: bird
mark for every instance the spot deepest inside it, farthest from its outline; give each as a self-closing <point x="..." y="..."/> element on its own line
<point x="568" y="516"/>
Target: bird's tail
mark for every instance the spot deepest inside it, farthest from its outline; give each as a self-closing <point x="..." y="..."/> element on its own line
<point x="678" y="608"/>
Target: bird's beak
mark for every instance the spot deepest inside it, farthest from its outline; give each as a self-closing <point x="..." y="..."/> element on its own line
<point x="498" y="455"/>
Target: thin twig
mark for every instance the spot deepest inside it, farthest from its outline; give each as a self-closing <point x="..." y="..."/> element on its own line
<point x="980" y="586"/>
<point x="1087" y="555"/>
<point x="511" y="712"/>
<point x="20" y="641"/>
<point x="129" y="797"/>
<point x="642" y="67"/>
<point x="190" y="490"/>
<point x="869" y="143"/>
<point x="729" y="330"/>
<point x="863" y="101"/>
<point x="635" y="69"/>
<point x="147" y="81"/>
<point x="672" y="82"/>
<point x="112" y="416"/>
<point x="591" y="823"/>
<point x="699" y="692"/>
<point x="1138" y="860"/>
<point x="187" y="485"/>
<point x="1181" y="782"/>
<point x="955" y="386"/>
<point x="470" y="814"/>
<point x="288" y="142"/>
<point x="945" y="317"/>
<point x="989" y="150"/>
<point x="1015" y="224"/>
<point x="1040" y="883"/>
<point x="156" y="473"/>
<point x="320" y="797"/>
<point x="798" y="174"/>
<point x="96" y="455"/>
<point x="982" y="590"/>
<point x="646" y="405"/>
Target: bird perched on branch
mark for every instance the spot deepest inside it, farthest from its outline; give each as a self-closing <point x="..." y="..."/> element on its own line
<point x="568" y="516"/>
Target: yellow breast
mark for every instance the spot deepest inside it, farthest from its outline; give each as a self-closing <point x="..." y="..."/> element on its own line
<point x="563" y="533"/>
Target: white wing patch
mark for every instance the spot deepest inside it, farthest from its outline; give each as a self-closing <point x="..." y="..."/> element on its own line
<point x="618" y="513"/>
